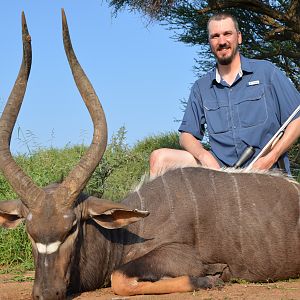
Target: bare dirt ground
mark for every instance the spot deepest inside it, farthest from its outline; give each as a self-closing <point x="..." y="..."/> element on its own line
<point x="18" y="287"/>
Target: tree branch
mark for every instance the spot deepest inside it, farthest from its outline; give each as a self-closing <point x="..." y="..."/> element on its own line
<point x="291" y="19"/>
<point x="270" y="54"/>
<point x="253" y="5"/>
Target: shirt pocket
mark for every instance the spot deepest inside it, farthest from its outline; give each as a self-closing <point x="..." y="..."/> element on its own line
<point x="252" y="109"/>
<point x="217" y="116"/>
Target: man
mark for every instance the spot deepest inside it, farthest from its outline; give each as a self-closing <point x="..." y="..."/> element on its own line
<point x="242" y="102"/>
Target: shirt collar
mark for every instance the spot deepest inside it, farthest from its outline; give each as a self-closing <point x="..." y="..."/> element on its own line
<point x="218" y="76"/>
<point x="245" y="68"/>
<point x="246" y="65"/>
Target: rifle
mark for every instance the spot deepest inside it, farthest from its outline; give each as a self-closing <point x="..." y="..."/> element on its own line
<point x="248" y="153"/>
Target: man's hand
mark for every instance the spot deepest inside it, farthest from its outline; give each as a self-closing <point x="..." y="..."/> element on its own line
<point x="193" y="146"/>
<point x="264" y="163"/>
<point x="291" y="134"/>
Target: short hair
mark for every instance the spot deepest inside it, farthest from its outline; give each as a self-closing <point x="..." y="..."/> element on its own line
<point x="222" y="16"/>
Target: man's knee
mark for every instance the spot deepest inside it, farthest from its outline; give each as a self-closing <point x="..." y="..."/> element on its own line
<point x="158" y="159"/>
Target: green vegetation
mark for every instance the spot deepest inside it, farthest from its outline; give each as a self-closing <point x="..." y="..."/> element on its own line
<point x="122" y="167"/>
<point x="120" y="170"/>
<point x="15" y="250"/>
<point x="294" y="155"/>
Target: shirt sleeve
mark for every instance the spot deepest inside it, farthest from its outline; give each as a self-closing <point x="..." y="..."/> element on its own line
<point x="194" y="119"/>
<point x="286" y="94"/>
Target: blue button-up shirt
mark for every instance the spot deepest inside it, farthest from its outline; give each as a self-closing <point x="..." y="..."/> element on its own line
<point x="249" y="112"/>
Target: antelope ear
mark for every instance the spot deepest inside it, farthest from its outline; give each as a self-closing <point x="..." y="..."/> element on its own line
<point x="112" y="215"/>
<point x="11" y="213"/>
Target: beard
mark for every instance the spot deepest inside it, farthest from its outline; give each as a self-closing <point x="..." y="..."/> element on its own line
<point x="226" y="60"/>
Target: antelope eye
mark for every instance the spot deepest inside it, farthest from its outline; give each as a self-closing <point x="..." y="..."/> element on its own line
<point x="71" y="231"/>
<point x="74" y="228"/>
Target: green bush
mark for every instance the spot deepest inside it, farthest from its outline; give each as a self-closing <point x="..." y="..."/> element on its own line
<point x="122" y="167"/>
<point x="294" y="156"/>
<point x="15" y="249"/>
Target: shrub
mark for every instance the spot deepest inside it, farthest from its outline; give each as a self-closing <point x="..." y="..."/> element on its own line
<point x="294" y="155"/>
<point x="122" y="167"/>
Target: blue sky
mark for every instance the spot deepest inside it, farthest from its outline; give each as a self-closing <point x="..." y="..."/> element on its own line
<point x="138" y="71"/>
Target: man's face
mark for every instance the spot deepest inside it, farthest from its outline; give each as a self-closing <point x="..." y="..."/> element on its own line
<point x="224" y="40"/>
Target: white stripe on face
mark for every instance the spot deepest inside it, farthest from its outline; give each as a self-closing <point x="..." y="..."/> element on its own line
<point x="52" y="247"/>
<point x="48" y="249"/>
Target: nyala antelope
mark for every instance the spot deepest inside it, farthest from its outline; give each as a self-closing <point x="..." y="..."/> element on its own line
<point x="196" y="227"/>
